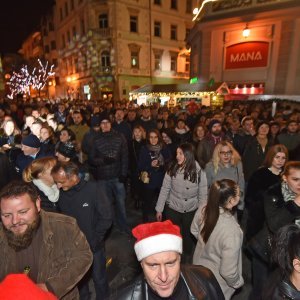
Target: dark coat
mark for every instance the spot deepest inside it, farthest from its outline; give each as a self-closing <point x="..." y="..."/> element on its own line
<point x="156" y="175"/>
<point x="88" y="204"/>
<point x="200" y="282"/>
<point x="278" y="212"/>
<point x="109" y="155"/>
<point x="259" y="182"/>
<point x="253" y="157"/>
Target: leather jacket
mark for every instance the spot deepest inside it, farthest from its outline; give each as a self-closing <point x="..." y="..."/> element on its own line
<point x="200" y="283"/>
<point x="278" y="288"/>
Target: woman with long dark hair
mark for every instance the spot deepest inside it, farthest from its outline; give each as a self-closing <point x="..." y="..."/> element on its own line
<point x="153" y="159"/>
<point x="285" y="282"/>
<point x="220" y="236"/>
<point x="184" y="188"/>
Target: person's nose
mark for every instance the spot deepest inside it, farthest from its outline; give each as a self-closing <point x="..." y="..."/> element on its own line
<point x="15" y="219"/>
<point x="163" y="274"/>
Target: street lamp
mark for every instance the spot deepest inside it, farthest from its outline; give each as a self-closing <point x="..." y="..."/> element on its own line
<point x="246" y="31"/>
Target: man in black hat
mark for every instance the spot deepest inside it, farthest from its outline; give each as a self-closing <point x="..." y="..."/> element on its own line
<point x="31" y="150"/>
<point x="109" y="156"/>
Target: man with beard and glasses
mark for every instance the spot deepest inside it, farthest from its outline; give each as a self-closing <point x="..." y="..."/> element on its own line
<point x="49" y="247"/>
<point x="206" y="148"/>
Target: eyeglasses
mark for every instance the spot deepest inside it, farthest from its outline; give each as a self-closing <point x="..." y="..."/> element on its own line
<point x="225" y="153"/>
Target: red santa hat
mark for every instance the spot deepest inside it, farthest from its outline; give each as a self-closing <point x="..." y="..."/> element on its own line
<point x="156" y="237"/>
<point x="20" y="286"/>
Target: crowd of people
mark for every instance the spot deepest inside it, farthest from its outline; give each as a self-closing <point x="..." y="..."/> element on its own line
<point x="228" y="178"/>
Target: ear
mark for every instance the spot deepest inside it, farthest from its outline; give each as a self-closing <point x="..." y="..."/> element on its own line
<point x="296" y="264"/>
<point x="38" y="204"/>
<point x="284" y="178"/>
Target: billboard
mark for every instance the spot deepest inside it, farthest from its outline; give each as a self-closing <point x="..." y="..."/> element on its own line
<point x="247" y="55"/>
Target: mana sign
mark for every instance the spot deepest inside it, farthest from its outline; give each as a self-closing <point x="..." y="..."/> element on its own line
<point x="247" y="55"/>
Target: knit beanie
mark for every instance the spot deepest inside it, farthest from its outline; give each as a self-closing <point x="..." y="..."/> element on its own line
<point x="212" y="123"/>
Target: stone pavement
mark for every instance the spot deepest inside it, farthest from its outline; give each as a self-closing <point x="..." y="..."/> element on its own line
<point x="122" y="265"/>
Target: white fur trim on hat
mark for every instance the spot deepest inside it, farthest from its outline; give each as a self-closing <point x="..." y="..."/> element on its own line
<point x="156" y="244"/>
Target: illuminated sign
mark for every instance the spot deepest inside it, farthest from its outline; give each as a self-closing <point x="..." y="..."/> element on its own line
<point x="247" y="55"/>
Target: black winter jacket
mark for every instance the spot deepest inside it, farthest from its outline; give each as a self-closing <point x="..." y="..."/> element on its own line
<point x="109" y="154"/>
<point x="88" y="204"/>
<point x="200" y="282"/>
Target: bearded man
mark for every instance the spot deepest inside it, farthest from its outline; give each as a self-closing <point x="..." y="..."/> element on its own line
<point x="48" y="247"/>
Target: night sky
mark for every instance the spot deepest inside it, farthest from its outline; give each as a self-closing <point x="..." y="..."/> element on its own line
<point x="18" y="18"/>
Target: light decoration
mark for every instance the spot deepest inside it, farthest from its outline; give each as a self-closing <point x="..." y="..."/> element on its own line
<point x="197" y="11"/>
<point x="21" y="82"/>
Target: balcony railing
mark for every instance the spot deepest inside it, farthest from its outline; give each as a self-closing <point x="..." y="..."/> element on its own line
<point x="102" y="33"/>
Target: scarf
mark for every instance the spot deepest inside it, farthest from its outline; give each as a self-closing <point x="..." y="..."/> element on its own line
<point x="52" y="192"/>
<point x="288" y="194"/>
<point x="155" y="153"/>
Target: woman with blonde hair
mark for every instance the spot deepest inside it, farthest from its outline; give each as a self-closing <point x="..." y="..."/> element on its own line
<point x="226" y="164"/>
<point x="39" y="173"/>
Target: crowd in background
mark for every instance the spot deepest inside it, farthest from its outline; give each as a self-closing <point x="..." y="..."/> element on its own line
<point x="214" y="172"/>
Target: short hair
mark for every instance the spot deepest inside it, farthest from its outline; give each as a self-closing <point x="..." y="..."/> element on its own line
<point x="69" y="168"/>
<point x="18" y="188"/>
<point x="272" y="152"/>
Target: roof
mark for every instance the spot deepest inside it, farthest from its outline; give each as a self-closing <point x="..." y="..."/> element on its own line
<point x="178" y="88"/>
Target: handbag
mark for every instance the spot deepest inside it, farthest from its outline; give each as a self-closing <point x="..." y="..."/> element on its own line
<point x="260" y="245"/>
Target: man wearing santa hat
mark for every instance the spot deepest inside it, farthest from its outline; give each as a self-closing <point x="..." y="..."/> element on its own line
<point x="158" y="248"/>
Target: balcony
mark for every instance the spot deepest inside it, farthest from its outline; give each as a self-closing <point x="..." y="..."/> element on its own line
<point x="101" y="33"/>
<point x="105" y="70"/>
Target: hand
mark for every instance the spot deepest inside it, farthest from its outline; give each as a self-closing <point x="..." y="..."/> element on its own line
<point x="42" y="286"/>
<point x="159" y="216"/>
<point x="122" y="179"/>
<point x="154" y="163"/>
<point x="108" y="160"/>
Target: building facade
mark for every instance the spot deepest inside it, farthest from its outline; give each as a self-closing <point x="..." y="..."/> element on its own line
<point x="104" y="49"/>
<point x="252" y="45"/>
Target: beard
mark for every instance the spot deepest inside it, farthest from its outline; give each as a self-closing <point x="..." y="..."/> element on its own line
<point x="217" y="132"/>
<point x="20" y="242"/>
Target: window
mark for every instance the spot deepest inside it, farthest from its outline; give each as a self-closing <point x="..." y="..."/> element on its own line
<point x="61" y="14"/>
<point x="174" y="4"/>
<point x="134" y="59"/>
<point x="51" y="27"/>
<point x="173" y="32"/>
<point x="76" y="66"/>
<point x="187" y="64"/>
<point x="82" y="27"/>
<point x="53" y="45"/>
<point x="103" y="21"/>
<point x="72" y="4"/>
<point x="68" y="36"/>
<point x="105" y="59"/>
<point x="66" y="9"/>
<point x="187" y="32"/>
<point x="157" y="29"/>
<point x="133" y="24"/>
<point x="157" y="62"/>
<point x="45" y="31"/>
<point x="74" y="32"/>
<point x="157" y="2"/>
<point x="134" y="55"/>
<point x="63" y="40"/>
<point x="189" y="6"/>
<point x="47" y="49"/>
<point x="173" y="63"/>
